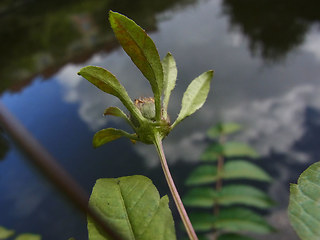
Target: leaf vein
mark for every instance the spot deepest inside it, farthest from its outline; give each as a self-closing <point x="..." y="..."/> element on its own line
<point x="126" y="212"/>
<point x="303" y="223"/>
<point x="304" y="210"/>
<point x="305" y="194"/>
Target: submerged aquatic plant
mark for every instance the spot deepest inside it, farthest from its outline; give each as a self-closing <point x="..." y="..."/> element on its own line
<point x="148" y="115"/>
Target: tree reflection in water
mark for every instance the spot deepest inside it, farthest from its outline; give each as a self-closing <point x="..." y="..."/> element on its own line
<point x="40" y="37"/>
<point x="274" y="28"/>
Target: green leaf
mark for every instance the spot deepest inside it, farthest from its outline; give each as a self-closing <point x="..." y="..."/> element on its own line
<point x="5" y="233"/>
<point x="241" y="219"/>
<point x="238" y="149"/>
<point x="109" y="134"/>
<point x="223" y="129"/>
<point x="114" y="111"/>
<point x="202" y="221"/>
<point x="28" y="236"/>
<point x="142" y="51"/>
<point x="228" y="149"/>
<point x="200" y="197"/>
<point x="243" y="194"/>
<point x="195" y="96"/>
<point x="233" y="236"/>
<point x="244" y="170"/>
<point x="108" y="83"/>
<point x="202" y="174"/>
<point x="230" y="219"/>
<point x="133" y="208"/>
<point x="229" y="195"/>
<point x="170" y="73"/>
<point x="236" y="169"/>
<point x="304" y="204"/>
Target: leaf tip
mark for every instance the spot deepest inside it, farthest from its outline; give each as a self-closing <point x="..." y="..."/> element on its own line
<point x="95" y="144"/>
<point x="211" y="72"/>
<point x="111" y="13"/>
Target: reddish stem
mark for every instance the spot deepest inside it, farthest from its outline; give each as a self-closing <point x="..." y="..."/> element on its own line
<point x="183" y="214"/>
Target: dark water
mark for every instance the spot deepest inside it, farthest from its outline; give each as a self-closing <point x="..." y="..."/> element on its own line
<point x="266" y="57"/>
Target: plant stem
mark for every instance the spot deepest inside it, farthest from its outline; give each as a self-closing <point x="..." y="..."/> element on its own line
<point x="183" y="214"/>
<point x="219" y="180"/>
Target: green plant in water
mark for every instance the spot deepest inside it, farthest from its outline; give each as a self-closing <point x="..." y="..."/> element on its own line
<point x="148" y="119"/>
<point x="224" y="161"/>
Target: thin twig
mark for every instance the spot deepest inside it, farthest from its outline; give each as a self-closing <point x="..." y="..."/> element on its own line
<point x="183" y="214"/>
<point x="49" y="167"/>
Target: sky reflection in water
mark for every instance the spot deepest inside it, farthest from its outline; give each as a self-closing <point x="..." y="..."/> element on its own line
<point x="274" y="94"/>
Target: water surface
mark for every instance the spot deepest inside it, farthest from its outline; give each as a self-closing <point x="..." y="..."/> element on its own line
<point x="266" y="58"/>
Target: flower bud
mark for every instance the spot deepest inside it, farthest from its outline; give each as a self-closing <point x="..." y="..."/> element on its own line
<point x="146" y="107"/>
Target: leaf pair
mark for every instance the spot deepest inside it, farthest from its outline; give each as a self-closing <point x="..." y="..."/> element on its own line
<point x="228" y="149"/>
<point x="236" y="169"/>
<point x="162" y="77"/>
<point x="229" y="195"/>
<point x="231" y="219"/>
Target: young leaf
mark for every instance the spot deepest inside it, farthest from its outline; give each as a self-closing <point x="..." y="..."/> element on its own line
<point x="108" y="83"/>
<point x="202" y="174"/>
<point x="170" y="73"/>
<point x="109" y="134"/>
<point x="202" y="221"/>
<point x="243" y="194"/>
<point x="241" y="219"/>
<point x="114" y="111"/>
<point x="233" y="236"/>
<point x="28" y="236"/>
<point x="132" y="206"/>
<point x="195" y="96"/>
<point x="223" y="129"/>
<point x="200" y="197"/>
<point x="5" y="233"/>
<point x="304" y="205"/>
<point x="142" y="51"/>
